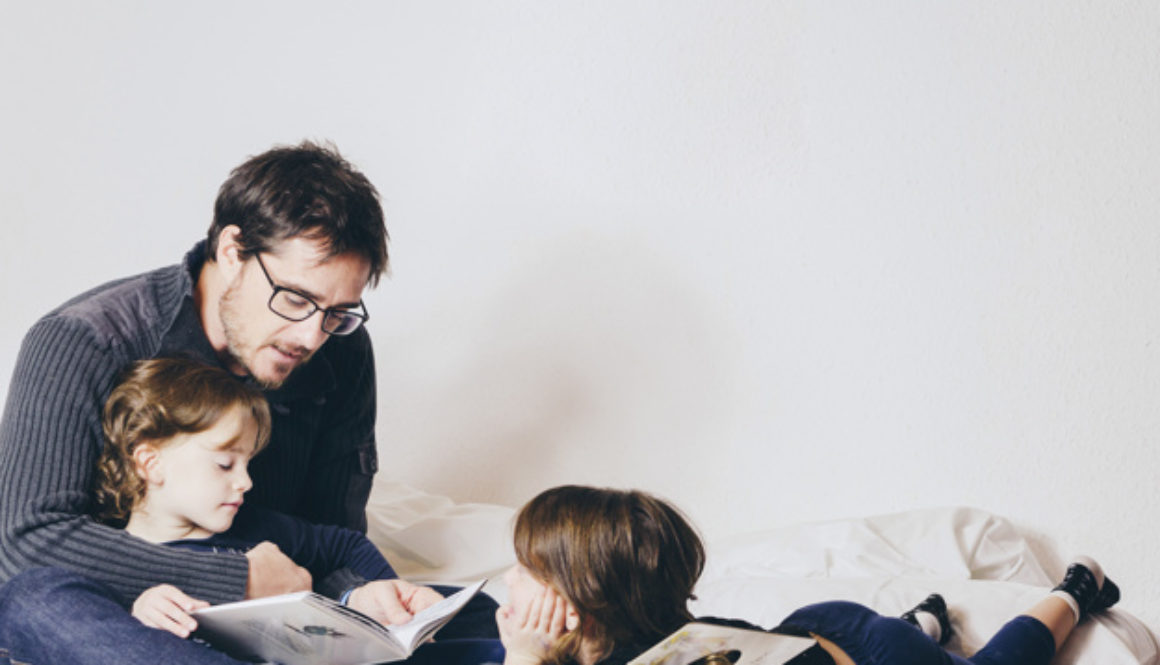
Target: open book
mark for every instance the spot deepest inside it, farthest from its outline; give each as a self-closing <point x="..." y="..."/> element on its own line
<point x="709" y="644"/>
<point x="306" y="628"/>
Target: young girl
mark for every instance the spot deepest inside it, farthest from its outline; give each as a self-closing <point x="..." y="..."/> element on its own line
<point x="604" y="574"/>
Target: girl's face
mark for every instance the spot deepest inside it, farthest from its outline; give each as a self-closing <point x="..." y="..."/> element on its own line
<point x="196" y="481"/>
<point x="523" y="586"/>
<point x="535" y="619"/>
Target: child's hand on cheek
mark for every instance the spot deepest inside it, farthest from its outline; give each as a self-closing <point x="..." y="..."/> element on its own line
<point x="528" y="636"/>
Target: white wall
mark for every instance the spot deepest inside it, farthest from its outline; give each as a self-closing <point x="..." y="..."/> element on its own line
<point x="778" y="261"/>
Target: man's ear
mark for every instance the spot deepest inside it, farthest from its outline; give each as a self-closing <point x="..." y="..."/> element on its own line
<point x="229" y="251"/>
<point x="147" y="464"/>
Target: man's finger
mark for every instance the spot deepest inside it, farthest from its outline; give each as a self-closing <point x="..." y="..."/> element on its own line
<point x="422" y="598"/>
<point x="388" y="597"/>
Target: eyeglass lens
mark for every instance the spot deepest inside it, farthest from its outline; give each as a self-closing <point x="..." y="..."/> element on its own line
<point x="294" y="307"/>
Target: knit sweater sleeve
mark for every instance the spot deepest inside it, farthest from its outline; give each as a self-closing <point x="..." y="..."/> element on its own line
<point x="322" y="549"/>
<point x="50" y="437"/>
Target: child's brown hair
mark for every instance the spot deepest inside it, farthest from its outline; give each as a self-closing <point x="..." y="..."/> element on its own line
<point x="626" y="560"/>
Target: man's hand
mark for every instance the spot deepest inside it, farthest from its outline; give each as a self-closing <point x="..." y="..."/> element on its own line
<point x="392" y="601"/>
<point x="273" y="573"/>
<point x="528" y="635"/>
<point x="166" y="607"/>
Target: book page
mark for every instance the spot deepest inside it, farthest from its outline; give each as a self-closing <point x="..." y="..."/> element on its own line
<point x="706" y="644"/>
<point x="306" y="628"/>
<point x="297" y="629"/>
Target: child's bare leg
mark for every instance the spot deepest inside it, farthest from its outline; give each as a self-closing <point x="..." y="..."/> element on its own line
<point x="1056" y="614"/>
<point x="1035" y="636"/>
<point x="1082" y="591"/>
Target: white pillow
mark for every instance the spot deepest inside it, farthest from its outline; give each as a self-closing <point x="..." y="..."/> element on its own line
<point x="429" y="538"/>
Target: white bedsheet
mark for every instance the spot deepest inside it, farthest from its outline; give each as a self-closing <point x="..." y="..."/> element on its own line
<point x="978" y="561"/>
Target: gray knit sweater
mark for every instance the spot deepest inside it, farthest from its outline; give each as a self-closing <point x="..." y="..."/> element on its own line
<point x="318" y="466"/>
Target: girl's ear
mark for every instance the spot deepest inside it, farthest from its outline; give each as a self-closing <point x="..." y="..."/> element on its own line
<point x="147" y="464"/>
<point x="571" y="618"/>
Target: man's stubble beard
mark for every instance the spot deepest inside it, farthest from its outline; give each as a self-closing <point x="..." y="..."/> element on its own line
<point x="234" y="332"/>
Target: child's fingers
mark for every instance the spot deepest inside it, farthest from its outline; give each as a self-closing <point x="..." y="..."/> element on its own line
<point x="167" y="608"/>
<point x="547" y="609"/>
<point x="559" y="613"/>
<point x="181" y="599"/>
<point x="531" y="618"/>
<point x="172" y="621"/>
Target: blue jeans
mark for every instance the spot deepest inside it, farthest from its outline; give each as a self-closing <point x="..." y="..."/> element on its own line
<point x="871" y="639"/>
<point x="50" y="616"/>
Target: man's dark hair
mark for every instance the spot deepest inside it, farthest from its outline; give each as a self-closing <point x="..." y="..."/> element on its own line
<point x="305" y="190"/>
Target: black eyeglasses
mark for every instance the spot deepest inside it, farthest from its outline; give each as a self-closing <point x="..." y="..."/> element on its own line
<point x="294" y="306"/>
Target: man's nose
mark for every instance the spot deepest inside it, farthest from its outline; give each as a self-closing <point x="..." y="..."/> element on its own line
<point x="308" y="333"/>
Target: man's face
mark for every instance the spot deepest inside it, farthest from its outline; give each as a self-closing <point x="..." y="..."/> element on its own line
<point x="267" y="346"/>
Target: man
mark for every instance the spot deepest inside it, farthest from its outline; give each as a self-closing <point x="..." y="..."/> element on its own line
<point x="274" y="294"/>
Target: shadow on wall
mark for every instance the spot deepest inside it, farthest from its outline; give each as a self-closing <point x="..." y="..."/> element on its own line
<point x="593" y="360"/>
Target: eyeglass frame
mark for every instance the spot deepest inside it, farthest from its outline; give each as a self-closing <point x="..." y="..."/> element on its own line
<point x="326" y="312"/>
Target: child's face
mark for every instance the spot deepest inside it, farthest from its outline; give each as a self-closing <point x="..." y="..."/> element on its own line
<point x="522" y="586"/>
<point x="202" y="476"/>
<point x="534" y="612"/>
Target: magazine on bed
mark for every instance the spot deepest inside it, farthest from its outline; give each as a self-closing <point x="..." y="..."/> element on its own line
<point x="710" y="644"/>
<point x="305" y="628"/>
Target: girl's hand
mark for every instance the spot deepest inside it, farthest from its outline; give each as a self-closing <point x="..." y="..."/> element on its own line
<point x="392" y="601"/>
<point x="528" y="636"/>
<point x="167" y="608"/>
